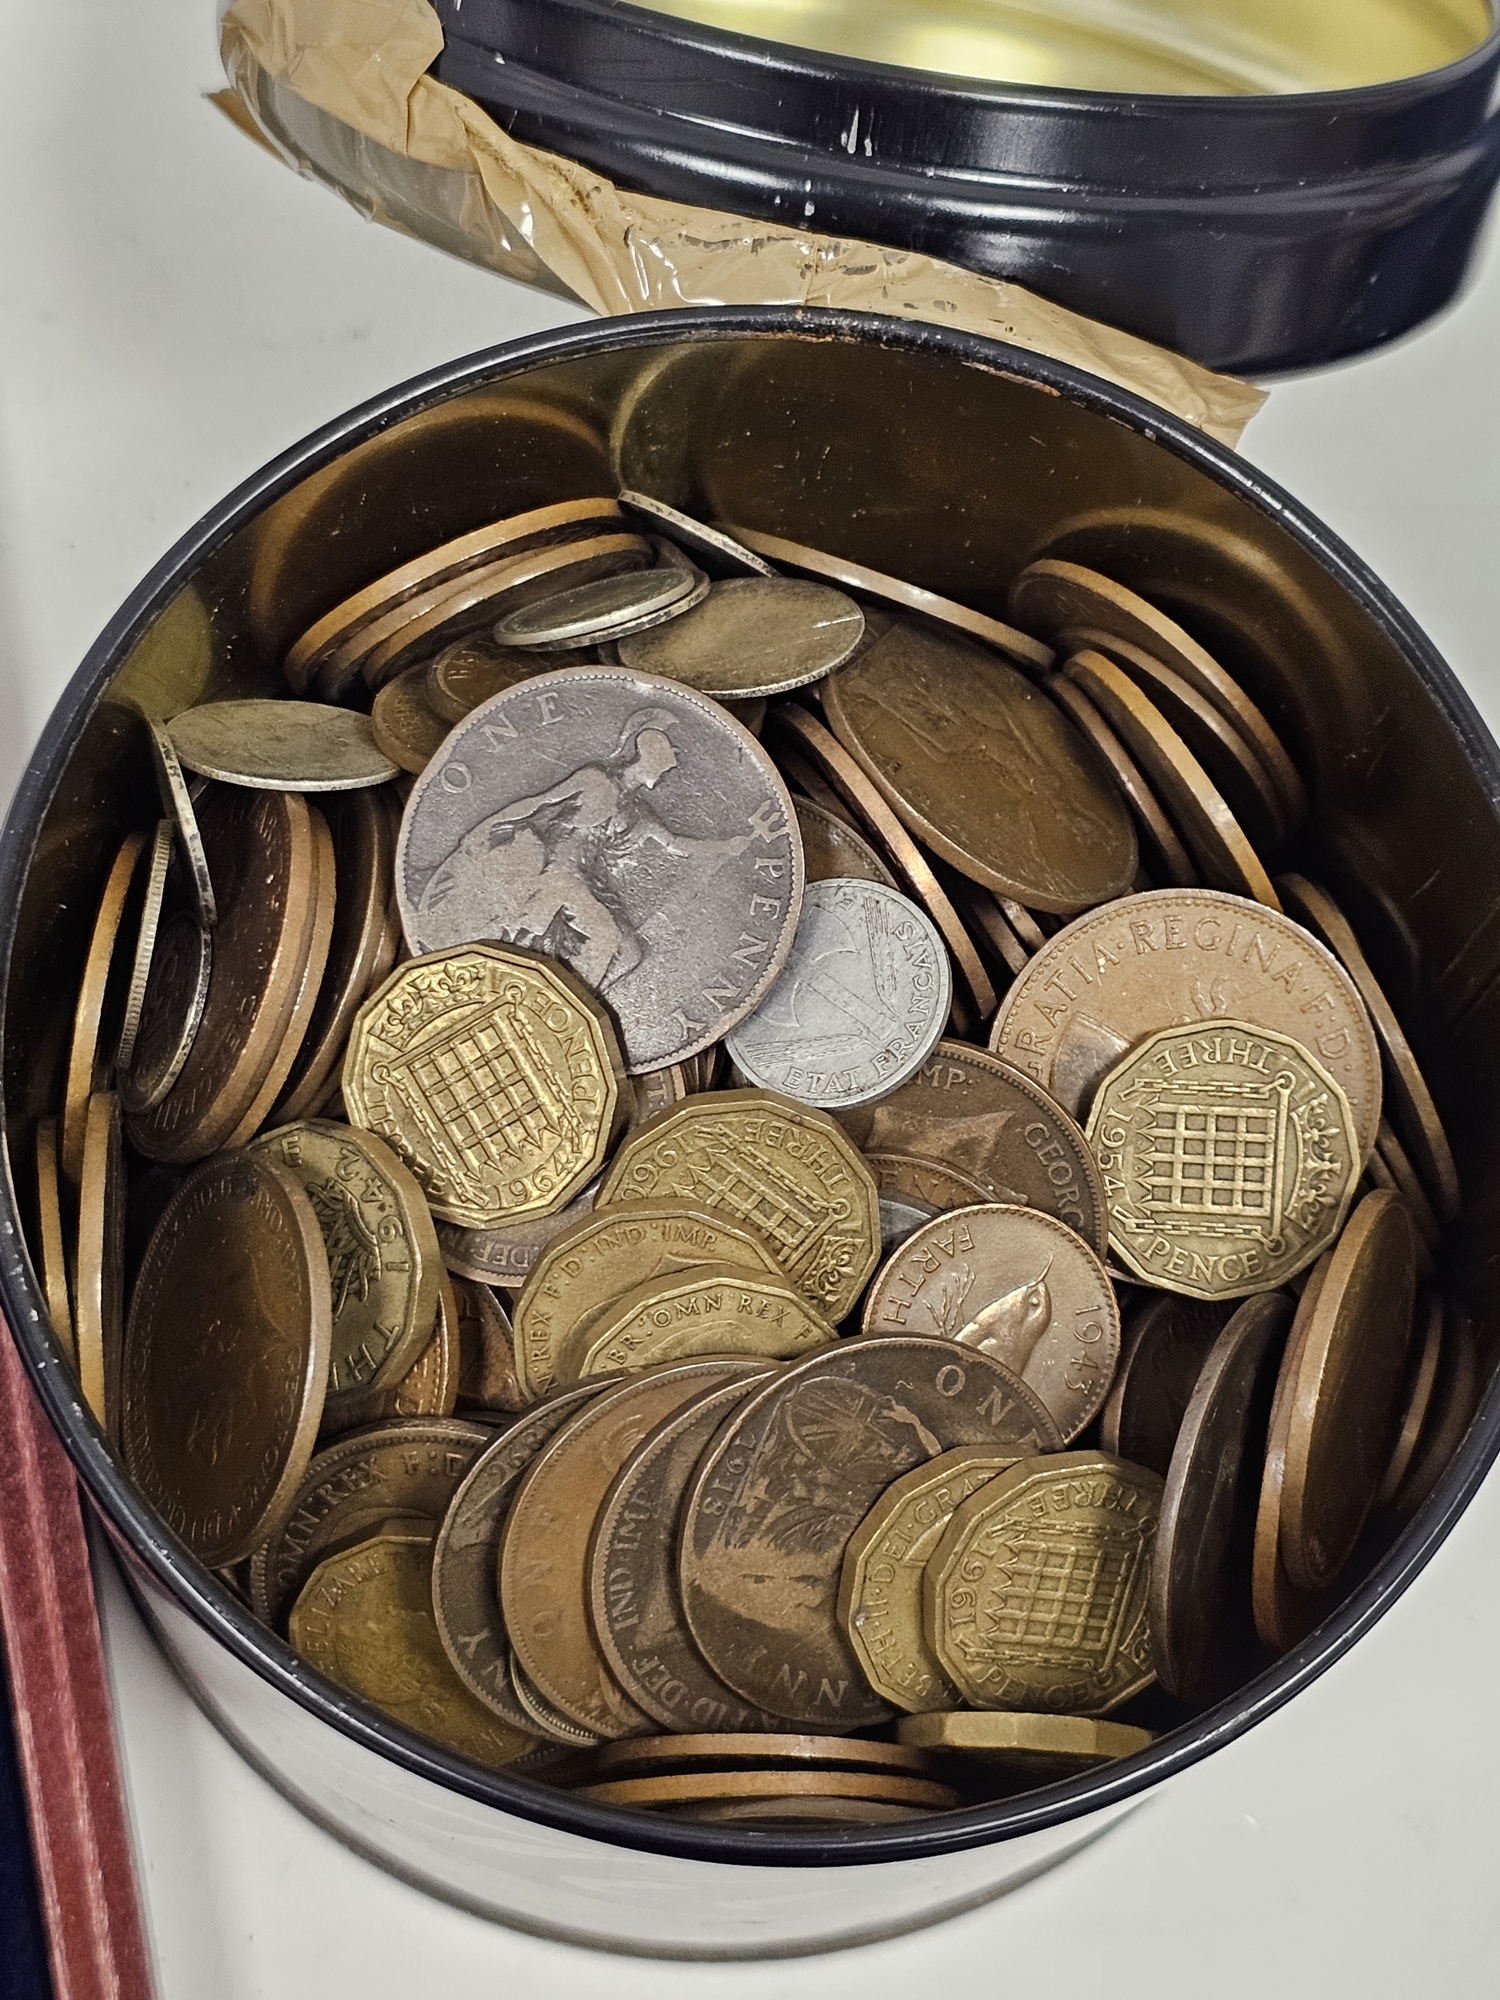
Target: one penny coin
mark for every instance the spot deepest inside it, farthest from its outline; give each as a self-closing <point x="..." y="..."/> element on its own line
<point x="832" y="849"/>
<point x="1168" y="853"/>
<point x="1454" y="1400"/>
<point x="1161" y="1357"/>
<point x="1417" y="1396"/>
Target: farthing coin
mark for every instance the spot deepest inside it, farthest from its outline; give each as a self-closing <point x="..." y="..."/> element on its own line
<point x="1017" y="1285"/>
<point x="859" y="1004"/>
<point x="752" y="635"/>
<point x="625" y="825"/>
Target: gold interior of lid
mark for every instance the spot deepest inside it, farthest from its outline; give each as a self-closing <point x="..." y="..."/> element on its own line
<point x="1193" y="47"/>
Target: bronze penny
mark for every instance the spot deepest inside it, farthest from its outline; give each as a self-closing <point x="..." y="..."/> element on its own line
<point x="1018" y="1286"/>
<point x="719" y="553"/>
<point x="1417" y="1396"/>
<point x="1390" y="1167"/>
<point x="1170" y="856"/>
<point x="465" y="1563"/>
<point x="984" y="768"/>
<point x="1344" y="1401"/>
<point x="51" y="1257"/>
<point x="832" y="850"/>
<point x="634" y="1600"/>
<point x="1455" y="1399"/>
<point x="752" y="635"/>
<point x="930" y="1184"/>
<point x="1034" y="1749"/>
<point x="222" y="1384"/>
<point x="1283" y="1615"/>
<point x="544" y="1550"/>
<point x="407" y="728"/>
<point x="996" y="1127"/>
<point x="260" y="847"/>
<point x="786" y="1482"/>
<point x="685" y="1787"/>
<point x="398" y="1471"/>
<point x="1111" y="978"/>
<point x="99" y="1263"/>
<point x="548" y="1721"/>
<point x="471" y="670"/>
<point x="988" y="924"/>
<point x="178" y="802"/>
<point x="148" y="923"/>
<point x="1410" y="1101"/>
<point x="1202" y="1633"/>
<point x="429" y="1388"/>
<point x="486" y="1351"/>
<point x="805" y="783"/>
<point x="1163" y="1351"/>
<point x="90" y="1053"/>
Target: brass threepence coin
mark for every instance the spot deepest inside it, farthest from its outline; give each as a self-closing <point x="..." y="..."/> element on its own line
<point x="147" y="925"/>
<point x="91" y="1051"/>
<point x="1283" y="1614"/>
<point x="99" y="1264"/>
<point x="1168" y="856"/>
<point x="831" y="847"/>
<point x="471" y="670"/>
<point x="406" y="1471"/>
<point x="634" y="1600"/>
<point x="407" y="728"/>
<point x="544" y="1550"/>
<point x="1033" y="1749"/>
<point x="1018" y="1286"/>
<point x="786" y="1482"/>
<point x="382" y="1249"/>
<point x="1035" y="1598"/>
<point x="794" y="724"/>
<point x="280" y="746"/>
<point x="1417" y="1396"/>
<point x="1345" y="1396"/>
<point x="979" y="1116"/>
<point x="1165" y="1345"/>
<point x="984" y="768"/>
<point x="429" y="1388"/>
<point x="487" y="1378"/>
<point x="364" y="1619"/>
<point x="880" y="1588"/>
<point x="223" y="1382"/>
<point x="51" y="1245"/>
<point x="716" y="1309"/>
<point x="624" y="824"/>
<point x="1017" y="646"/>
<point x="783" y="1171"/>
<point x="1202" y="1632"/>
<point x="1408" y="1098"/>
<point x="1454" y="1400"/>
<point x="1230" y="1158"/>
<point x="466" y="1557"/>
<point x="171" y="1010"/>
<point x="719" y="553"/>
<point x="752" y="635"/>
<point x="177" y="803"/>
<point x="1115" y="976"/>
<point x="583" y="1272"/>
<point x="494" y="1076"/>
<point x="859" y="1004"/>
<point x="260" y="847"/>
<point x="685" y="1787"/>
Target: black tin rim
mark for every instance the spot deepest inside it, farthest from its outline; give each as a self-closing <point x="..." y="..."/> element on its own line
<point x="219" y="1613"/>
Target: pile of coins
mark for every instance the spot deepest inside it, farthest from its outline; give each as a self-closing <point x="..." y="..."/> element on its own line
<point x="723" y="1181"/>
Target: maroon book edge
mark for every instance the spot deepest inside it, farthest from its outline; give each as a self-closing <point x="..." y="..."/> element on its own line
<point x="64" y="1725"/>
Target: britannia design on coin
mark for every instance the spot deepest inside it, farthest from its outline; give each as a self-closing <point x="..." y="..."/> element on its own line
<point x="624" y="825"/>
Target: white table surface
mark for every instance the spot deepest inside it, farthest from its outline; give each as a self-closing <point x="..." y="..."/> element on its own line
<point x="175" y="308"/>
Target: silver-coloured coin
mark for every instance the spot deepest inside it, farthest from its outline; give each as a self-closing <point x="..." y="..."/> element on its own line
<point x="752" y="635"/>
<point x="281" y="746"/>
<point x="860" y="1004"/>
<point x="624" y="825"/>
<point x="171" y="1010"/>
<point x="603" y="609"/>
<point x="145" y="940"/>
<point x="504" y="1256"/>
<point x="714" y="549"/>
<point x="900" y="1219"/>
<point x="176" y="798"/>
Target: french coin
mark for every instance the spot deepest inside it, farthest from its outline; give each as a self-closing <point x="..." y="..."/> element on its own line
<point x="544" y="1549"/>
<point x="752" y="635"/>
<point x="520" y="533"/>
<point x="691" y="1786"/>
<point x="1175" y="956"/>
<point x="429" y="1388"/>
<point x="1202" y="1633"/>
<point x="638" y="1756"/>
<point x="471" y="670"/>
<point x="880" y="1588"/>
<point x="171" y="1010"/>
<point x="980" y="1117"/>
<point x="928" y="1184"/>
<point x="1017" y="646"/>
<point x="260" y="847"/>
<point x="1039" y="1749"/>
<point x="493" y="1075"/>
<point x="715" y="550"/>
<point x="831" y="847"/>
<point x="896" y="845"/>
<point x="99" y="1263"/>
<point x="1169" y="854"/>
<point x="1409" y="1099"/>
<point x="1416" y="1396"/>
<point x="222" y="1384"/>
<point x="364" y="1620"/>
<point x="282" y="746"/>
<point x="859" y="1004"/>
<point x="715" y="1309"/>
<point x="624" y="824"/>
<point x="1054" y="597"/>
<point x="1214" y="836"/>
<point x="1344" y="1399"/>
<point x="607" y="608"/>
<point x="90" y="1052"/>
<point x="52" y="1253"/>
<point x="1035" y="1598"/>
<point x="398" y="1471"/>
<point x="548" y="1721"/>
<point x="1018" y="1286"/>
<point x="1454" y="1401"/>
<point x="465" y="1563"/>
<point x="984" y="768"/>
<point x="583" y="1272"/>
<point x="632" y="1579"/>
<point x="177" y="803"/>
<point x="407" y="728"/>
<point x="788" y="1479"/>
<point x="1283" y="1614"/>
<point x="1165" y="1345"/>
<point x="147" y="926"/>
<point x="783" y="1171"/>
<point x="382" y="1250"/>
<point x="1229" y="1155"/>
<point x="487" y="1377"/>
